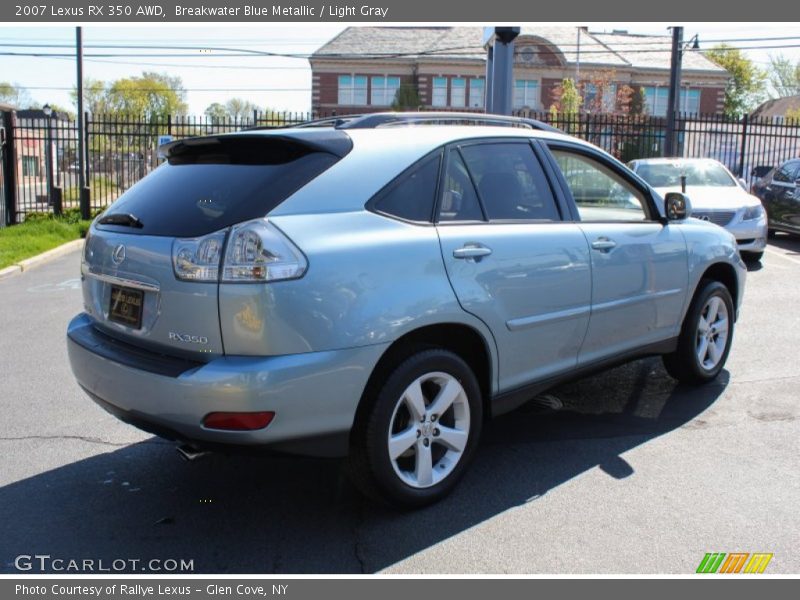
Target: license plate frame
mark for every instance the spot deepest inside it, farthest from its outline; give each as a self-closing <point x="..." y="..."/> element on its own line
<point x="125" y="306"/>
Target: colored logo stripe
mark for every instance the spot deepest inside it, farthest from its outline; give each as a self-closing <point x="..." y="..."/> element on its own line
<point x="758" y="562"/>
<point x="713" y="562"/>
<point x="710" y="562"/>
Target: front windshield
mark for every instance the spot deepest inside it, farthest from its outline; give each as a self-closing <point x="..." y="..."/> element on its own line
<point x="698" y="173"/>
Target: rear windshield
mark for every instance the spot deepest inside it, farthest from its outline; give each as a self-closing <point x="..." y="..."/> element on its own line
<point x="215" y="183"/>
<point x="698" y="173"/>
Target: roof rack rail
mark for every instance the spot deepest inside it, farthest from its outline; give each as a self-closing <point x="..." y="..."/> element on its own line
<point x="398" y="119"/>
<point x="394" y="119"/>
<point x="326" y="122"/>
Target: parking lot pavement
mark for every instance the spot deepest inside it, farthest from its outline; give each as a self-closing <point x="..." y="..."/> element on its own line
<point x="631" y="474"/>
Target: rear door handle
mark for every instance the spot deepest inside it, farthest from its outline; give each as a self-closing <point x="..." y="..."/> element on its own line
<point x="475" y="251"/>
<point x="603" y="244"/>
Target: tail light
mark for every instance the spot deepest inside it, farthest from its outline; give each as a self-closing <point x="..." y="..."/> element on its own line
<point x="256" y="251"/>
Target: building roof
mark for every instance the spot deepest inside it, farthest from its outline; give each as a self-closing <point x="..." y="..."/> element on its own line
<point x="777" y="107"/>
<point x="617" y="49"/>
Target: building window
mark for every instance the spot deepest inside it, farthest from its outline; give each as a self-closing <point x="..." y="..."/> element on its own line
<point x="690" y="101"/>
<point x="458" y="92"/>
<point x="657" y="99"/>
<point x="477" y="88"/>
<point x="439" y="91"/>
<point x="608" y="103"/>
<point x="352" y="90"/>
<point x="526" y="93"/>
<point x="30" y="166"/>
<point x="384" y="89"/>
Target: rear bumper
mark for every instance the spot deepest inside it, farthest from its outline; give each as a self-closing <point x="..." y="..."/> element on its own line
<point x="314" y="395"/>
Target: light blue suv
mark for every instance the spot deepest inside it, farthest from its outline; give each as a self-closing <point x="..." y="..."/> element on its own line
<point x="377" y="287"/>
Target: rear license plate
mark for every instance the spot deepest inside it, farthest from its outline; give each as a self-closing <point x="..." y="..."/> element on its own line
<point x="126" y="306"/>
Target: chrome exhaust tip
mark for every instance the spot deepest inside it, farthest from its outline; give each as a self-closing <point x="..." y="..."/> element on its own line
<point x="189" y="453"/>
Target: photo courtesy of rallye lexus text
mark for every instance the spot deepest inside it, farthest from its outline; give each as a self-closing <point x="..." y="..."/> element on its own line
<point x="376" y="287"/>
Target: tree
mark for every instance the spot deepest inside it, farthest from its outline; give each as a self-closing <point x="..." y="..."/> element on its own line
<point x="566" y="98"/>
<point x="94" y="96"/>
<point x="602" y="95"/>
<point x="14" y="94"/>
<point x="239" y="108"/>
<point x="783" y="76"/>
<point x="216" y="112"/>
<point x="151" y="95"/>
<point x="745" y="89"/>
<point x="406" y="98"/>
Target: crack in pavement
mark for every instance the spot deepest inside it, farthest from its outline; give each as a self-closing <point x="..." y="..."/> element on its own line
<point x="90" y="440"/>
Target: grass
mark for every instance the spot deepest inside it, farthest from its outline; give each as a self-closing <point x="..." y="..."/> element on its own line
<point x="37" y="234"/>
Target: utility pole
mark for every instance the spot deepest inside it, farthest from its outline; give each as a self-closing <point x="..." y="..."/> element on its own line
<point x="670" y="146"/>
<point x="500" y="80"/>
<point x="83" y="193"/>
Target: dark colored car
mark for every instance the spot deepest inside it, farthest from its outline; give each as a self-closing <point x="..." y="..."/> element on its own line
<point x="779" y="192"/>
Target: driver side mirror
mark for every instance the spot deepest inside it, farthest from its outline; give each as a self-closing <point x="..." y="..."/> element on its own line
<point x="677" y="206"/>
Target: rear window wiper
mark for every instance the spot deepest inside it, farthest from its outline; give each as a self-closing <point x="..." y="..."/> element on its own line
<point x="124" y="219"/>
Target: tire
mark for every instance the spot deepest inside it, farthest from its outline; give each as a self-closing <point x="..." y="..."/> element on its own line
<point x="696" y="361"/>
<point x="398" y="452"/>
<point x="771" y="234"/>
<point x="752" y="257"/>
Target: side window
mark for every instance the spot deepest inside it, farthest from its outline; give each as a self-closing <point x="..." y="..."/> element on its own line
<point x="599" y="192"/>
<point x="784" y="173"/>
<point x="794" y="171"/>
<point x="510" y="182"/>
<point x="459" y="200"/>
<point x="412" y="195"/>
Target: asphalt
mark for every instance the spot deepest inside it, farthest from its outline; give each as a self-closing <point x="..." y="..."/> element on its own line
<point x="630" y="473"/>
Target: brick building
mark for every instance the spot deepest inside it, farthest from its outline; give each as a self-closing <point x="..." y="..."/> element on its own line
<point x="361" y="69"/>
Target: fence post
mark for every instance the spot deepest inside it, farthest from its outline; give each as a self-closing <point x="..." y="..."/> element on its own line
<point x="743" y="145"/>
<point x="10" y="168"/>
<point x="169" y="124"/>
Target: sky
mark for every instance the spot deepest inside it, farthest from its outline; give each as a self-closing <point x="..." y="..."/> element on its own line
<point x="278" y="82"/>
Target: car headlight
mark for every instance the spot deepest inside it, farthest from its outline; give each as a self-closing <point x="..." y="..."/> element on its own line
<point x="752" y="213"/>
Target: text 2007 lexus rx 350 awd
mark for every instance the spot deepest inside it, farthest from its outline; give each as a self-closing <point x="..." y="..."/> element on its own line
<point x="377" y="287"/>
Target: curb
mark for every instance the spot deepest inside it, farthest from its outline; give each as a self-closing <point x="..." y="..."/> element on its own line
<point x="40" y="259"/>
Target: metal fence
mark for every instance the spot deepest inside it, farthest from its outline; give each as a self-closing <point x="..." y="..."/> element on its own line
<point x="740" y="144"/>
<point x="121" y="150"/>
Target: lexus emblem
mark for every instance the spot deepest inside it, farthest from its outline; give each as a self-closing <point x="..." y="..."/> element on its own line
<point x="118" y="255"/>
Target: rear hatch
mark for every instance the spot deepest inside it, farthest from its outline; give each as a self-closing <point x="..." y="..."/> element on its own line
<point x="135" y="285"/>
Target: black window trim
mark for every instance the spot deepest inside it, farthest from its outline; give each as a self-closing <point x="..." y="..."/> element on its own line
<point x="558" y="199"/>
<point x="370" y="205"/>
<point x="652" y="212"/>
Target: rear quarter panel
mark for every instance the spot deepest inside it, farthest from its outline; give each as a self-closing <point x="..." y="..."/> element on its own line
<point x="370" y="280"/>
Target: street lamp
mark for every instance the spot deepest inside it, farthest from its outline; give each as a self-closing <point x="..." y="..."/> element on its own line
<point x="48" y="112"/>
<point x="676" y="62"/>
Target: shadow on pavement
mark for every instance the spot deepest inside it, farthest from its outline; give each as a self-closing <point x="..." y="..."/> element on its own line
<point x="260" y="515"/>
<point x="786" y="241"/>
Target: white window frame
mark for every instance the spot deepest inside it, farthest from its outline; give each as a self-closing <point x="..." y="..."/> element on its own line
<point x="458" y="92"/>
<point x="437" y="100"/>
<point x="385" y="88"/>
<point x="609" y="98"/>
<point x="661" y="98"/>
<point x="531" y="96"/>
<point x="350" y="93"/>
<point x="480" y="100"/>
